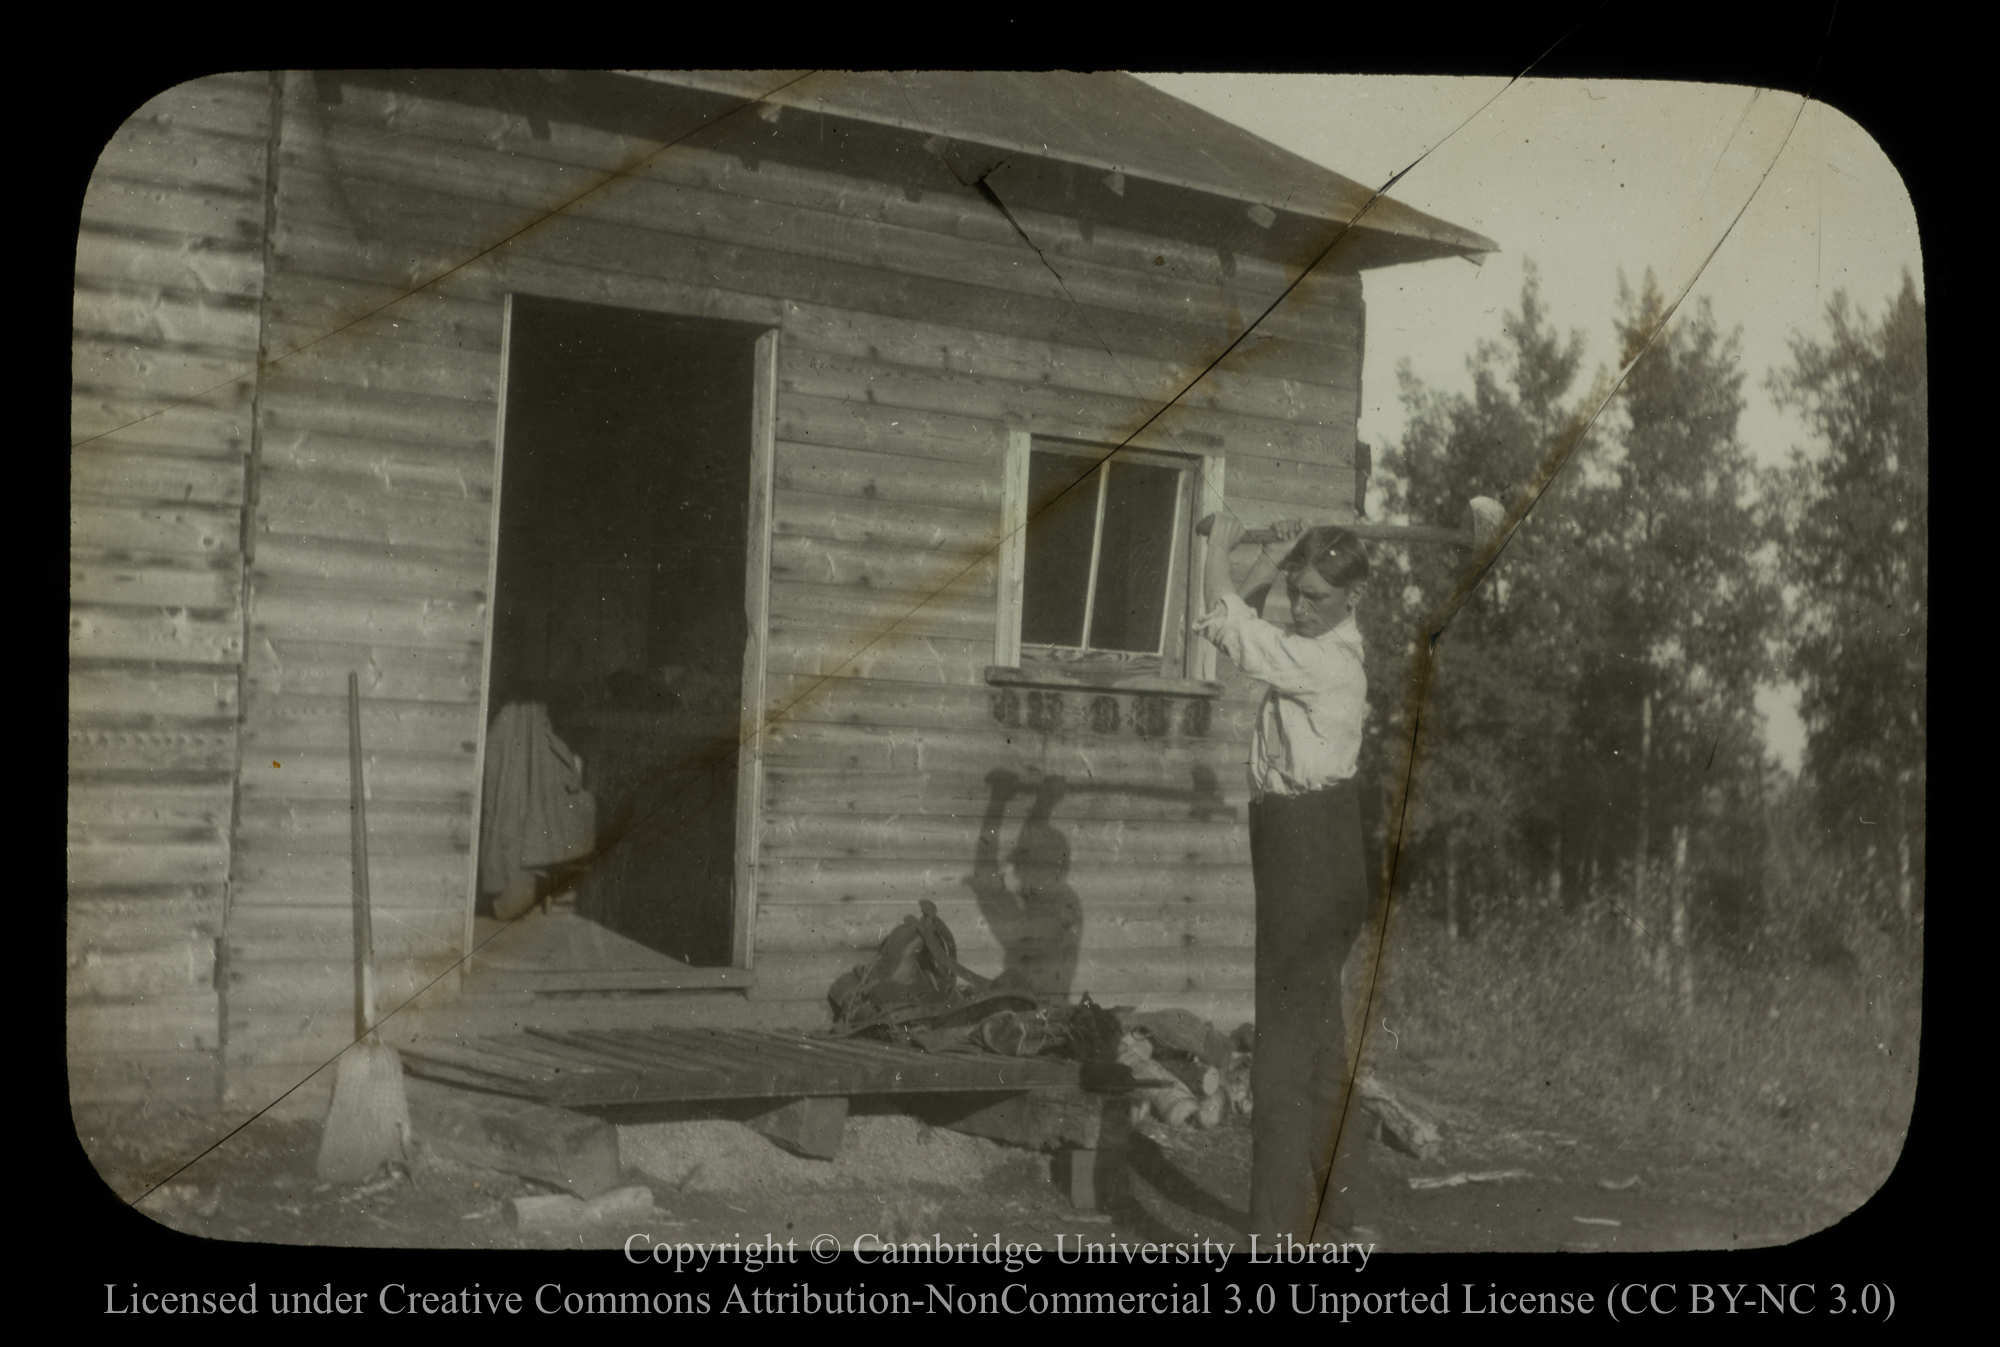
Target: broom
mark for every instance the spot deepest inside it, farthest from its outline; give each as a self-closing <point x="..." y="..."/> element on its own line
<point x="369" y="1123"/>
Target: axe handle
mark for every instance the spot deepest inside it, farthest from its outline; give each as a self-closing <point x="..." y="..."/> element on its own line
<point x="1395" y="533"/>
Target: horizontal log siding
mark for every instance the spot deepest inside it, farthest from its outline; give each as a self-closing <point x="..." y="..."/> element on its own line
<point x="169" y="270"/>
<point x="918" y="331"/>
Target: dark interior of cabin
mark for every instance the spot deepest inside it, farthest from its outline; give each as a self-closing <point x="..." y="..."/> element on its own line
<point x="619" y="595"/>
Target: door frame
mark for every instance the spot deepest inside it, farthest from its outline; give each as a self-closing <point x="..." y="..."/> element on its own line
<point x="757" y="608"/>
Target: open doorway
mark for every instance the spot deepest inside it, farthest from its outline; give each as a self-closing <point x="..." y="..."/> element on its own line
<point x="619" y="600"/>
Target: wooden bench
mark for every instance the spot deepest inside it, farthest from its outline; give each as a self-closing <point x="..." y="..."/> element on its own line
<point x="1043" y="1103"/>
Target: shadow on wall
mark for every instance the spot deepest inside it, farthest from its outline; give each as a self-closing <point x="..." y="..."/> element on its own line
<point x="1039" y="921"/>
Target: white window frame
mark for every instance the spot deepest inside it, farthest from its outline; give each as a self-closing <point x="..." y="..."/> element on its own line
<point x="1197" y="658"/>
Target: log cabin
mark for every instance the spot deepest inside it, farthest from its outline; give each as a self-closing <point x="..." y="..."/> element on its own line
<point x="820" y="450"/>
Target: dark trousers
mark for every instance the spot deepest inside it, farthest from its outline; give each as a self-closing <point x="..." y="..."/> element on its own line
<point x="1312" y="898"/>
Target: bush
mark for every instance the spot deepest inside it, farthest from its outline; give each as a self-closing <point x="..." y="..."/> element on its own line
<point x="1797" y="1061"/>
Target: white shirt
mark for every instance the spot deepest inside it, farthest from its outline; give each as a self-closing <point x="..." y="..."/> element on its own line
<point x="1309" y="727"/>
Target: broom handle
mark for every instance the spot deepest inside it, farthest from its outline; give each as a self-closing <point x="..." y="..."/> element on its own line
<point x="364" y="926"/>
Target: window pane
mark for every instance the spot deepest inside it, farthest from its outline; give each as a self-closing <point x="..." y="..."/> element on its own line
<point x="1062" y="520"/>
<point x="1132" y="567"/>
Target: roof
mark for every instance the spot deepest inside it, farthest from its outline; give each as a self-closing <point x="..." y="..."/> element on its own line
<point x="1103" y="120"/>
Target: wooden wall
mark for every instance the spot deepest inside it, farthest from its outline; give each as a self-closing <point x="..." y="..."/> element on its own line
<point x="169" y="267"/>
<point x="916" y="331"/>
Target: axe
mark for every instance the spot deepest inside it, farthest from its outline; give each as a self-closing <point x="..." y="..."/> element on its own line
<point x="1483" y="519"/>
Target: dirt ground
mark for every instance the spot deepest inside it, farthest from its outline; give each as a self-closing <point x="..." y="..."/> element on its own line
<point x="1512" y="1181"/>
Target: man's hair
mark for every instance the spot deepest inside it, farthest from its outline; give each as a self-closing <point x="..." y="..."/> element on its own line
<point x="1334" y="552"/>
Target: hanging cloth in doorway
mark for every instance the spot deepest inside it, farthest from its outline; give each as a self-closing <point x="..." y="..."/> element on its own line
<point x="534" y="812"/>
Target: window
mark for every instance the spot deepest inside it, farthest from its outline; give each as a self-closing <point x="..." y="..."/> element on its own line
<point x="1101" y="568"/>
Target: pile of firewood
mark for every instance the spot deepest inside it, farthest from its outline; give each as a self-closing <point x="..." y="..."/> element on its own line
<point x="1194" y="1076"/>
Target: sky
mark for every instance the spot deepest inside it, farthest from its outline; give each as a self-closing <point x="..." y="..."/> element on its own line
<point x="1761" y="202"/>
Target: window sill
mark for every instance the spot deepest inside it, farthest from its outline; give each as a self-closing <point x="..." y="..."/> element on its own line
<point x="1098" y="680"/>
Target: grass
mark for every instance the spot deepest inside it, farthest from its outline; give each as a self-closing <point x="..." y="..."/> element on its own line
<point x="1802" y="1066"/>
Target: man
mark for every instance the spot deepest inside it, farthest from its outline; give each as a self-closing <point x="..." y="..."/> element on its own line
<point x="1305" y="853"/>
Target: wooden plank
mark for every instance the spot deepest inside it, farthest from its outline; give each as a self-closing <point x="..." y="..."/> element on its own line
<point x="1097" y="757"/>
<point x="1013" y="549"/>
<point x="362" y="359"/>
<point x="1050" y="410"/>
<point x="837" y="792"/>
<point x="153" y="315"/>
<point x="263" y="934"/>
<point x="329" y="615"/>
<point x="300" y="666"/>
<point x="545" y="169"/>
<point x="134" y="858"/>
<point x="844" y="423"/>
<point x="411" y="466"/>
<point x="322" y="774"/>
<point x="757" y="577"/>
<point x="321" y="989"/>
<point x="102" y="473"/>
<point x="917" y="528"/>
<point x="153" y="583"/>
<point x="300" y="565"/>
<point x="177" y="968"/>
<point x="189" y="266"/>
<point x="903" y="837"/>
<point x="208" y="212"/>
<point x="154" y="371"/>
<point x="894" y="480"/>
<point x="216" y="424"/>
<point x="647" y="1055"/>
<point x="159" y="1024"/>
<point x="320" y="724"/>
<point x="186" y="530"/>
<point x="554" y="1146"/>
<point x="866" y="610"/>
<point x="827" y="889"/>
<point x="170" y="749"/>
<point x="118" y="924"/>
<point x="187" y="157"/>
<point x="970" y="570"/>
<point x="1151" y="978"/>
<point x="111" y="810"/>
<point x="1112" y="922"/>
<point x="154" y="1079"/>
<point x="296" y="406"/>
<point x="437" y="200"/>
<point x="497" y="194"/>
<point x="585" y="258"/>
<point x="861" y="701"/>
<point x="237" y="101"/>
<point x="921" y="659"/>
<point x="167" y="636"/>
<point x="1234" y="385"/>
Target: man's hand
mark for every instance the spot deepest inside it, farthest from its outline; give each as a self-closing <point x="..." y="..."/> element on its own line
<point x="1285" y="530"/>
<point x="1224" y="533"/>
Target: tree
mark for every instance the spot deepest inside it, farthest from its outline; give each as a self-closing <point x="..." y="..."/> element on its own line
<point x="1687" y="604"/>
<point x="1494" y="715"/>
<point x="1598" y="686"/>
<point x="1855" y="548"/>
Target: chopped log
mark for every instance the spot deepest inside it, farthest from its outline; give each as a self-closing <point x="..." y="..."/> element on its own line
<point x="1170" y="1099"/>
<point x="1401" y="1126"/>
<point x="561" y="1211"/>
<point x="515" y="1136"/>
<point x="812" y="1127"/>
